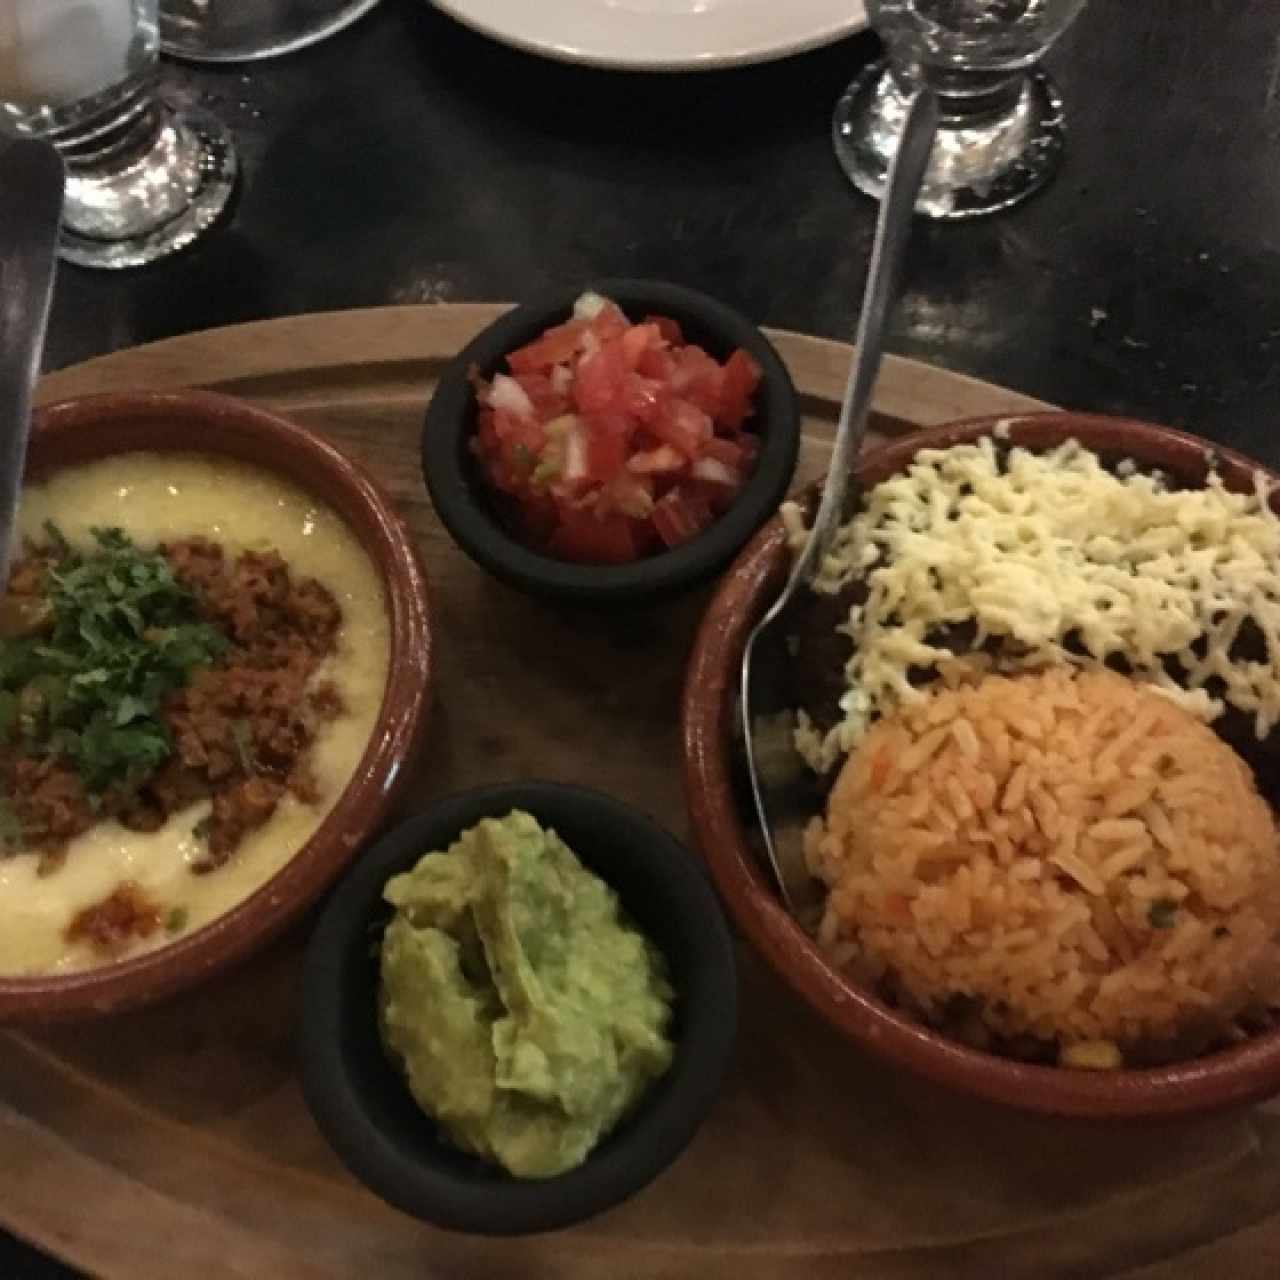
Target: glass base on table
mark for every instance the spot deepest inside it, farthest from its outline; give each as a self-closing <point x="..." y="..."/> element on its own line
<point x="236" y="31"/>
<point x="153" y="202"/>
<point x="997" y="144"/>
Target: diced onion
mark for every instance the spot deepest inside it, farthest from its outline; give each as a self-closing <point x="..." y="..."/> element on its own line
<point x="589" y="305"/>
<point x="713" y="471"/>
<point x="575" y="453"/>
<point x="507" y="394"/>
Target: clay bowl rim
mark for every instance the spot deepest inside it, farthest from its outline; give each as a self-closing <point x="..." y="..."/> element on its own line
<point x="89" y="428"/>
<point x="1242" y="1074"/>
<point x="466" y="508"/>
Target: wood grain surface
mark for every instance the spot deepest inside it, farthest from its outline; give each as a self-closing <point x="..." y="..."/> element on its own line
<point x="176" y="1142"/>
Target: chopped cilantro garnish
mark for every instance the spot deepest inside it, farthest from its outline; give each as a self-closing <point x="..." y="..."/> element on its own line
<point x="176" y="920"/>
<point x="88" y="686"/>
<point x="1162" y="913"/>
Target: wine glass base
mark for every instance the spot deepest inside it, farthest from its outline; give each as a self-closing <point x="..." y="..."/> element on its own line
<point x="196" y="156"/>
<point x="200" y="31"/>
<point x="979" y="166"/>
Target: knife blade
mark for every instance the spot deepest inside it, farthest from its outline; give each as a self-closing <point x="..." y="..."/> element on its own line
<point x="31" y="186"/>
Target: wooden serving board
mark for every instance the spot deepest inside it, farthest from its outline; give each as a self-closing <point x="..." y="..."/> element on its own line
<point x="175" y="1142"/>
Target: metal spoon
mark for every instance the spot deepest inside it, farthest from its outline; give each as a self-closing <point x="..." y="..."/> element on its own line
<point x="761" y="693"/>
<point x="31" y="182"/>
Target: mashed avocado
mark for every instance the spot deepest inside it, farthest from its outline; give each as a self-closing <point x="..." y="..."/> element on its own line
<point x="527" y="1014"/>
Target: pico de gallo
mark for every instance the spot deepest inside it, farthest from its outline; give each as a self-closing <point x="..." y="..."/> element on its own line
<point x="611" y="441"/>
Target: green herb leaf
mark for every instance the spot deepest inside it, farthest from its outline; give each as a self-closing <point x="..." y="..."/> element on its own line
<point x="1162" y="913"/>
<point x="176" y="920"/>
<point x="88" y="689"/>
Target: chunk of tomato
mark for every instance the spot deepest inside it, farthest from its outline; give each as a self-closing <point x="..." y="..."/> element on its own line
<point x="637" y="340"/>
<point x="737" y="453"/>
<point x="680" y="515"/>
<point x="556" y="345"/>
<point x="741" y="378"/>
<point x="682" y="425"/>
<point x="600" y="384"/>
<point x="609" y="322"/>
<point x="668" y="329"/>
<point x="608" y="443"/>
<point x="586" y="538"/>
<point x="657" y="363"/>
<point x="698" y="379"/>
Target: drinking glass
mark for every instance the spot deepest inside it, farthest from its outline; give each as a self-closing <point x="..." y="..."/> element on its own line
<point x="245" y="30"/>
<point x="142" y="180"/>
<point x="1001" y="133"/>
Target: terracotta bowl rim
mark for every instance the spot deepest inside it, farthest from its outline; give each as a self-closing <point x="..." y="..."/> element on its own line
<point x="1236" y="1076"/>
<point x="227" y="425"/>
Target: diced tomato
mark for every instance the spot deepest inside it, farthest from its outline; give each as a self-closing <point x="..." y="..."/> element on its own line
<point x="741" y="378"/>
<point x="609" y="322"/>
<point x="736" y="453"/>
<point x="642" y="397"/>
<point x="683" y="425"/>
<point x="657" y="363"/>
<point x="557" y="345"/>
<point x="608" y="443"/>
<point x="539" y="515"/>
<point x="612" y="441"/>
<point x="698" y="379"/>
<point x="583" y="537"/>
<point x="637" y="340"/>
<point x="668" y="328"/>
<point x="601" y="381"/>
<point x="679" y="515"/>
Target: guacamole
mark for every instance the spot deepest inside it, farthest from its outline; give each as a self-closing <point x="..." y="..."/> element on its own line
<point x="527" y="1014"/>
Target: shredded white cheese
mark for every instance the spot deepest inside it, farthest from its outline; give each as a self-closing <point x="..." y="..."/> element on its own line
<point x="1048" y="547"/>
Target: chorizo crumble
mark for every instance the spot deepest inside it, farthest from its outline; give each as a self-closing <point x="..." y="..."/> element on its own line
<point x="134" y="684"/>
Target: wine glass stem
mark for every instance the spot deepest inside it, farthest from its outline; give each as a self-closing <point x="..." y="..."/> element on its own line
<point x="965" y="96"/>
<point x="123" y="125"/>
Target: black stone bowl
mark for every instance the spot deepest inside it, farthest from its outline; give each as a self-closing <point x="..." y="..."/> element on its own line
<point x="466" y="504"/>
<point x="360" y="1100"/>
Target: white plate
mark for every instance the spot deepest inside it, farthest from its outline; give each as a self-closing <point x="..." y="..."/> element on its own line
<point x="661" y="35"/>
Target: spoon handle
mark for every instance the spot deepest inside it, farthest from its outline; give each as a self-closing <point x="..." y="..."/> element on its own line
<point x="893" y="230"/>
<point x="30" y="207"/>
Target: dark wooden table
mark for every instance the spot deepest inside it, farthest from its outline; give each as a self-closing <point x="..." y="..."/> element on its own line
<point x="408" y="160"/>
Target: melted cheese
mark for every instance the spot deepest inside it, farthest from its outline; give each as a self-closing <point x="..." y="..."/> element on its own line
<point x="1051" y="546"/>
<point x="164" y="497"/>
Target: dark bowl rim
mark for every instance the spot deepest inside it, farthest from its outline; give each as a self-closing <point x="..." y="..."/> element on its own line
<point x="463" y="510"/>
<point x="648" y="1141"/>
<point x="1231" y="1077"/>
<point x="99" y="426"/>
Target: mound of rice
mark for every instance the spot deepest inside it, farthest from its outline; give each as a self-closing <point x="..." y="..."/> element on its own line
<point x="1062" y="860"/>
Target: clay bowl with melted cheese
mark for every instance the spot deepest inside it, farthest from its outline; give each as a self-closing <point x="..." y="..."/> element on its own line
<point x="194" y="465"/>
<point x="723" y="820"/>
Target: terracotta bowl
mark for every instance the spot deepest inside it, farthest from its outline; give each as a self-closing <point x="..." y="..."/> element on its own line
<point x="80" y="431"/>
<point x="1242" y="1074"/>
